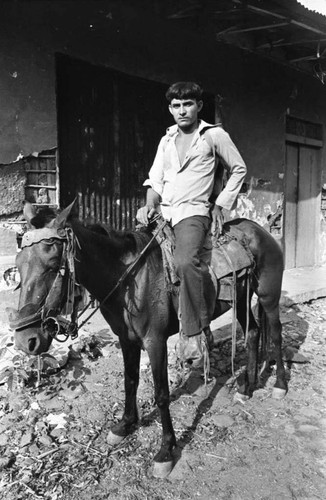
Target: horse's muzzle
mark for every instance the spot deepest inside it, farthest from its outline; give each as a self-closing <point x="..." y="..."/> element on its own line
<point x="32" y="340"/>
<point x="29" y="335"/>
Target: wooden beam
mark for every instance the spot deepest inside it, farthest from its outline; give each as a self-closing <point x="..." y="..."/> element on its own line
<point x="281" y="16"/>
<point x="186" y="12"/>
<point x="226" y="31"/>
<point x="286" y="44"/>
<point x="222" y="12"/>
<point x="259" y="10"/>
<point x="309" y="28"/>
<point x="259" y="28"/>
<point x="307" y="58"/>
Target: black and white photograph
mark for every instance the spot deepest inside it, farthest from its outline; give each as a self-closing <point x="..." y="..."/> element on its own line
<point x="162" y="249"/>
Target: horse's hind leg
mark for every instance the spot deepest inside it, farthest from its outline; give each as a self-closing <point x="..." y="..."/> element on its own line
<point x="131" y="356"/>
<point x="272" y="330"/>
<point x="246" y="382"/>
<point x="163" y="460"/>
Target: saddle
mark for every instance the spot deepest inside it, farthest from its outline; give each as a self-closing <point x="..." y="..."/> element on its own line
<point x="227" y="258"/>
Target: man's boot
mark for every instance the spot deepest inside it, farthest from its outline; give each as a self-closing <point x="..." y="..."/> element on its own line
<point x="194" y="350"/>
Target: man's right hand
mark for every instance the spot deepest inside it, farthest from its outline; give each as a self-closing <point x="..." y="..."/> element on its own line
<point x="144" y="214"/>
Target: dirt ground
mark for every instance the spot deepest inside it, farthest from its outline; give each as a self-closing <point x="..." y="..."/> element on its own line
<point x="53" y="438"/>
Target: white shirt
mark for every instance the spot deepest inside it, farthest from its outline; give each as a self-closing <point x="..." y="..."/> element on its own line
<point x="185" y="188"/>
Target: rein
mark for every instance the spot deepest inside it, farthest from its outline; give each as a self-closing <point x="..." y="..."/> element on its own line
<point x="124" y="275"/>
<point x="53" y="323"/>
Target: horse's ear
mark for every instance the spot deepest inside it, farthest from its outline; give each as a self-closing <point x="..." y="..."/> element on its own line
<point x="65" y="215"/>
<point x="29" y="212"/>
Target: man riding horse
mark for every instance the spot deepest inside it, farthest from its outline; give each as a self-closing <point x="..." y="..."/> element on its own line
<point x="186" y="184"/>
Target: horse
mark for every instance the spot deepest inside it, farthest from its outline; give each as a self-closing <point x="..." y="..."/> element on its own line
<point x="139" y="308"/>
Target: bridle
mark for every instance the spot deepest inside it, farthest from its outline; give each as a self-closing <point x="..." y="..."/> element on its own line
<point x="50" y="314"/>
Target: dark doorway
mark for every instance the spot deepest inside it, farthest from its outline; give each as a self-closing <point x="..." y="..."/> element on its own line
<point x="109" y="126"/>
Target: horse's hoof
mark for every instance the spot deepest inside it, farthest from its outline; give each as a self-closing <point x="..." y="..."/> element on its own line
<point x="162" y="469"/>
<point x="114" y="439"/>
<point x="240" y="397"/>
<point x="278" y="393"/>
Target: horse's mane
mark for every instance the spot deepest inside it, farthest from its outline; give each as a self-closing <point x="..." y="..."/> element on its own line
<point x="123" y="241"/>
<point x="133" y="241"/>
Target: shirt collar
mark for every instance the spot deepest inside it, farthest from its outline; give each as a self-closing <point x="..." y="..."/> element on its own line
<point x="202" y="125"/>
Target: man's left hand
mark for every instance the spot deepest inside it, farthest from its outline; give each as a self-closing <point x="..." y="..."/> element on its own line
<point x="217" y="220"/>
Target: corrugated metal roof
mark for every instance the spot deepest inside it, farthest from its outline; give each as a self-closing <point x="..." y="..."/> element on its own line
<point x="284" y="31"/>
<point x="316" y="6"/>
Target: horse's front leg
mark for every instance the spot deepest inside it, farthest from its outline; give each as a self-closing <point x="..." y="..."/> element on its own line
<point x="131" y="357"/>
<point x="163" y="460"/>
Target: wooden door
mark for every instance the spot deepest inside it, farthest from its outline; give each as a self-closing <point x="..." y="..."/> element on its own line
<point x="302" y="204"/>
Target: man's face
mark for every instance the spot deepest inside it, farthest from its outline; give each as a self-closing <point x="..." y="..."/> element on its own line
<point x="185" y="112"/>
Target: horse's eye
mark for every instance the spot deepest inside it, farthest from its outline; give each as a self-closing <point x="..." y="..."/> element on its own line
<point x="51" y="246"/>
<point x="50" y="241"/>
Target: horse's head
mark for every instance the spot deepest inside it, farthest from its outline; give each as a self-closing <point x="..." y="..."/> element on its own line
<point x="42" y="265"/>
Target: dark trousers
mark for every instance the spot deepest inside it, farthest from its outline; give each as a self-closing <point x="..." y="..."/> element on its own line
<point x="190" y="234"/>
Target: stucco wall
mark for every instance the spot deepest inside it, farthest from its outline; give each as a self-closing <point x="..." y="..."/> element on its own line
<point x="12" y="188"/>
<point x="255" y="94"/>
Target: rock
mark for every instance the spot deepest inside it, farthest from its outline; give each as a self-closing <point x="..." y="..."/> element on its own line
<point x="33" y="450"/>
<point x="26" y="439"/>
<point x="53" y="404"/>
<point x="58" y="432"/>
<point x="309" y="412"/>
<point x="7" y="460"/>
<point x="183" y="467"/>
<point x="18" y="402"/>
<point x="289" y="429"/>
<point x="3" y="428"/>
<point x="40" y="427"/>
<point x="222" y="420"/>
<point x="45" y="440"/>
<point x="71" y="394"/>
<point x="306" y="428"/>
<point x="4" y="438"/>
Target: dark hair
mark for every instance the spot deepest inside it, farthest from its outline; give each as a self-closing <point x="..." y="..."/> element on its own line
<point x="184" y="90"/>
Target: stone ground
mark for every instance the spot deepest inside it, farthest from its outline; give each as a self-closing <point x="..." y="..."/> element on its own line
<point x="53" y="437"/>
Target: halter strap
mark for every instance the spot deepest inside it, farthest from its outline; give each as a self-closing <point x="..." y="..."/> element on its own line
<point x="51" y="304"/>
<point x="45" y="233"/>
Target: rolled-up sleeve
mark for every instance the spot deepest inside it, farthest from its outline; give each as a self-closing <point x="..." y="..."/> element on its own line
<point x="233" y="162"/>
<point x="156" y="173"/>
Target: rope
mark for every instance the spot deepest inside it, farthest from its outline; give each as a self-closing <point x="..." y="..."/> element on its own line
<point x="247" y="309"/>
<point x="206" y="361"/>
<point x="234" y="321"/>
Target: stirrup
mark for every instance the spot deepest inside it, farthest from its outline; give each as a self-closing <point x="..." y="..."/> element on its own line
<point x="194" y="351"/>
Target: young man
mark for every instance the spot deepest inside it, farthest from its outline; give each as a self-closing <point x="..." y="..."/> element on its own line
<point x="189" y="164"/>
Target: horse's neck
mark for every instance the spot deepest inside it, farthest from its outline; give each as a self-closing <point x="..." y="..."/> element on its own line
<point x="97" y="262"/>
<point x="108" y="253"/>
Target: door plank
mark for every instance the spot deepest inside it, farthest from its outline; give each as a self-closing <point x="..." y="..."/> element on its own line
<point x="307" y="201"/>
<point x="291" y="198"/>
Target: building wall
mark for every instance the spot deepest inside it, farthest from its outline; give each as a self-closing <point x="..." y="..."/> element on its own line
<point x="12" y="195"/>
<point x="12" y="188"/>
<point x="254" y="95"/>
